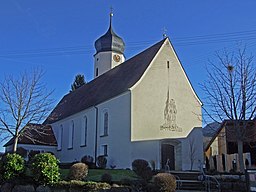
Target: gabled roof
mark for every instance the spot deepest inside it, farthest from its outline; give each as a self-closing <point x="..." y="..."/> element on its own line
<point x="210" y="129"/>
<point x="36" y="134"/>
<point x="108" y="85"/>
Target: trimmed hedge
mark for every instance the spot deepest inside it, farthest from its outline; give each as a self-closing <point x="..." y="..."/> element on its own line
<point x="165" y="182"/>
<point x="78" y="171"/>
<point x="141" y="168"/>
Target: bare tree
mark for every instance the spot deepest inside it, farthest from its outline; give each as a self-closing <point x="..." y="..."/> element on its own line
<point x="23" y="100"/>
<point x="231" y="93"/>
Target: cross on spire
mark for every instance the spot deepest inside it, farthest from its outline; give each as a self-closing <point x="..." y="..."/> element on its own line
<point x="111" y="11"/>
<point x="111" y="15"/>
<point x="164" y="32"/>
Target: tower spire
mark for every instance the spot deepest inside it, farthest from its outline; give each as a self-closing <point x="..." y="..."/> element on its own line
<point x="111" y="14"/>
<point x="109" y="45"/>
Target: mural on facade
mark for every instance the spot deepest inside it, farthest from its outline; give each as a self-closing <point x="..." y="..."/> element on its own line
<point x="170" y="113"/>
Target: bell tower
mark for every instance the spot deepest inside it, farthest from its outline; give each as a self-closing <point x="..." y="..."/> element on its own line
<point x="109" y="51"/>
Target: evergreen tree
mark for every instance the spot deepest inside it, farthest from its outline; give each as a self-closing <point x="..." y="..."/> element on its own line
<point x="78" y="82"/>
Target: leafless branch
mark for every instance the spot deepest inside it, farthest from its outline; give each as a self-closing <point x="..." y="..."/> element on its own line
<point x="24" y="100"/>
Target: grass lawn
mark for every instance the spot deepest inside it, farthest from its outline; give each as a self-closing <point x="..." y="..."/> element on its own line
<point x="95" y="174"/>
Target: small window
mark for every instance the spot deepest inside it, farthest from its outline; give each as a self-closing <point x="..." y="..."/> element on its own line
<point x="97" y="72"/>
<point x="84" y="132"/>
<point x="71" y="135"/>
<point x="60" y="135"/>
<point x="168" y="64"/>
<point x="104" y="150"/>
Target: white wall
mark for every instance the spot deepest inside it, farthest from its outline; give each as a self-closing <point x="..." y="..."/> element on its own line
<point x="118" y="139"/>
<point x="150" y="96"/>
<point x="104" y="61"/>
<point x="78" y="151"/>
<point x="194" y="142"/>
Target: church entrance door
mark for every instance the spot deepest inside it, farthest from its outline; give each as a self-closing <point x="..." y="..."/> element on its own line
<point x="168" y="157"/>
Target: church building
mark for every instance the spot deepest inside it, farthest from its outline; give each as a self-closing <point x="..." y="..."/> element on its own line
<point x="141" y="108"/>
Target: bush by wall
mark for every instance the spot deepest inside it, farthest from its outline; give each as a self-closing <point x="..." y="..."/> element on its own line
<point x="106" y="178"/>
<point x="102" y="161"/>
<point x="45" y="169"/>
<point x="78" y="171"/>
<point x="141" y="168"/>
<point x="165" y="182"/>
<point x="11" y="166"/>
<point x="88" y="160"/>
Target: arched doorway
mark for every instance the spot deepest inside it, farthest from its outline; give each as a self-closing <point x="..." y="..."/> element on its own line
<point x="168" y="156"/>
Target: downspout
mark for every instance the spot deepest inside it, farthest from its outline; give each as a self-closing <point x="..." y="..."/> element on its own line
<point x="96" y="135"/>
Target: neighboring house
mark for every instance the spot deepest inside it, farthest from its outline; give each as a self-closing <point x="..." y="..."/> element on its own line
<point x="142" y="108"/>
<point x="36" y="138"/>
<point x="210" y="132"/>
<point x="223" y="140"/>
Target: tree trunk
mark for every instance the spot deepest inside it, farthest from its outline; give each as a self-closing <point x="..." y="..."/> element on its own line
<point x="15" y="144"/>
<point x="240" y="155"/>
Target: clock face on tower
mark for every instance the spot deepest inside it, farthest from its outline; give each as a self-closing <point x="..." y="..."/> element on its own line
<point x="116" y="58"/>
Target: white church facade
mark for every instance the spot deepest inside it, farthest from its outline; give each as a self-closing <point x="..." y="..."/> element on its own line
<point x="142" y="108"/>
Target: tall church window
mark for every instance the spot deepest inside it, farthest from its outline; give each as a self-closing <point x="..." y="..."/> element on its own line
<point x="105" y="123"/>
<point x="84" y="132"/>
<point x="71" y="135"/>
<point x="60" y="138"/>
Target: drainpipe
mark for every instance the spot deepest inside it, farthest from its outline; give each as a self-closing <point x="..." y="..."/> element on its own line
<point x="96" y="135"/>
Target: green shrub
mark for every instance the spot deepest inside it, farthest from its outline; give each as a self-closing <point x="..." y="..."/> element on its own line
<point x="11" y="167"/>
<point x="165" y="182"/>
<point x="78" y="171"/>
<point x="45" y="168"/>
<point x="106" y="178"/>
<point x="102" y="161"/>
<point x="142" y="169"/>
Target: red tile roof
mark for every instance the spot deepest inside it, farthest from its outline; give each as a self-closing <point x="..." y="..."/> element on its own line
<point x="36" y="134"/>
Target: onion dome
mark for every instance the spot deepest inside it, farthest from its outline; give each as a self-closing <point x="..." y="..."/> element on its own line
<point x="110" y="41"/>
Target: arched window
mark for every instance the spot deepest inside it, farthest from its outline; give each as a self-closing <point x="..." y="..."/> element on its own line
<point x="71" y="135"/>
<point x="60" y="137"/>
<point x="105" y="123"/>
<point x="84" y="132"/>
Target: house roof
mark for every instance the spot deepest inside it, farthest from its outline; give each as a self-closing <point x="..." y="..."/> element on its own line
<point x="36" y="134"/>
<point x="210" y="129"/>
<point x="230" y="133"/>
<point x="106" y="86"/>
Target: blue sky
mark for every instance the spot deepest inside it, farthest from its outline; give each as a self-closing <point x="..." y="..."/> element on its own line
<point x="59" y="35"/>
